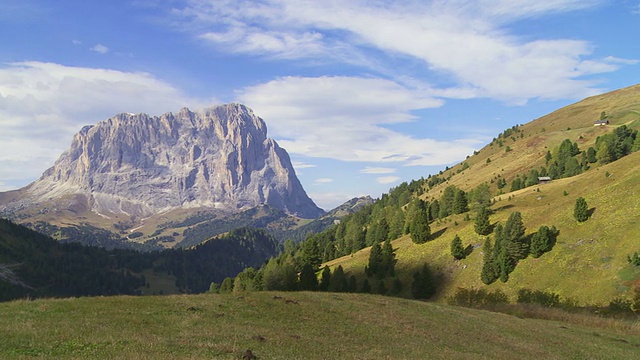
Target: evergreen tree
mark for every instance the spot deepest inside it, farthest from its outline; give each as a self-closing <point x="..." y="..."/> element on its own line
<point x="460" y="204"/>
<point x="366" y="287"/>
<point x="280" y="275"/>
<point x="382" y="289"/>
<point x="489" y="272"/>
<point x="226" y="286"/>
<point x="338" y="281"/>
<point x="311" y="253"/>
<point x="352" y="285"/>
<point x="457" y="250"/>
<point x="308" y="278"/>
<point x="375" y="260"/>
<point x="396" y="287"/>
<point x="423" y="286"/>
<point x="591" y="155"/>
<point x="542" y="241"/>
<point x="513" y="235"/>
<point x="388" y="259"/>
<point x="420" y="230"/>
<point x="325" y="279"/>
<point x="434" y="209"/>
<point x="581" y="210"/>
<point x="482" y="226"/>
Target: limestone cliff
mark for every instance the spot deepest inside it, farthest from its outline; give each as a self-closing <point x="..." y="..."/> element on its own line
<point x="142" y="165"/>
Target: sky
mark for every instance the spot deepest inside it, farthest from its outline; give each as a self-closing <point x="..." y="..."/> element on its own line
<point x="363" y="95"/>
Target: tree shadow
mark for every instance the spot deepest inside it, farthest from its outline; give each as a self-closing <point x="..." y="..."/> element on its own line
<point x="468" y="250"/>
<point x="590" y="212"/>
<point x="437" y="234"/>
<point x="503" y="207"/>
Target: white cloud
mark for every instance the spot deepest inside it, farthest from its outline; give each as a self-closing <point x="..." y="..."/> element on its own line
<point x="302" y="165"/>
<point x="43" y="104"/>
<point x="387" y="179"/>
<point x="99" y="48"/>
<point x="466" y="42"/>
<point x="343" y="117"/>
<point x="377" y="170"/>
<point x="323" y="180"/>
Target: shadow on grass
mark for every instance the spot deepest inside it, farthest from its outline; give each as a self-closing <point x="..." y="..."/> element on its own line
<point x="437" y="234"/>
<point x="590" y="212"/>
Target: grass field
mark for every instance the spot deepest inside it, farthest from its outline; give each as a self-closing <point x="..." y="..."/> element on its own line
<point x="293" y="326"/>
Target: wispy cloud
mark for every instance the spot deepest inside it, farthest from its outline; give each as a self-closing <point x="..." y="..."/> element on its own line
<point x="343" y="117"/>
<point x="387" y="179"/>
<point x="43" y="104"/>
<point x="466" y="42"/>
<point x="99" y="48"/>
<point x="323" y="180"/>
<point x="377" y="170"/>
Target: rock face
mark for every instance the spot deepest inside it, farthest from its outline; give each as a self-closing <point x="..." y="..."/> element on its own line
<point x="141" y="165"/>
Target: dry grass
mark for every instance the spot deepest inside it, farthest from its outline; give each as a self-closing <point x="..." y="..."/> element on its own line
<point x="291" y="326"/>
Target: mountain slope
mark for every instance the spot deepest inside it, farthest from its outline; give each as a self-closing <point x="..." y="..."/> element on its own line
<point x="589" y="260"/>
<point x="129" y="168"/>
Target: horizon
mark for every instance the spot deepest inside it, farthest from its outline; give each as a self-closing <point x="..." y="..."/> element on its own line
<point x="362" y="97"/>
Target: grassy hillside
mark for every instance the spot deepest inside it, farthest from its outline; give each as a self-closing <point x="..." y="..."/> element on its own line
<point x="589" y="260"/>
<point x="592" y="254"/>
<point x="294" y="326"/>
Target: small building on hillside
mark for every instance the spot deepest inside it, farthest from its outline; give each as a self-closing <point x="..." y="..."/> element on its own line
<point x="544" y="179"/>
<point x="602" y="122"/>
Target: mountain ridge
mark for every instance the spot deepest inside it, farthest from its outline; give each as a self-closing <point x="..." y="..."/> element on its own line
<point x="135" y="166"/>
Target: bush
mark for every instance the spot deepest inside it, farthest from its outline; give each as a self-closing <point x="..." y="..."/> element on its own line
<point x="476" y="298"/>
<point x="543" y="298"/>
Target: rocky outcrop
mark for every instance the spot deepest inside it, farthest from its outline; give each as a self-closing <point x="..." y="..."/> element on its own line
<point x="141" y="165"/>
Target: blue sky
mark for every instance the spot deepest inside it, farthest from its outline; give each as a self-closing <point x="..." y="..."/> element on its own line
<point x="362" y="94"/>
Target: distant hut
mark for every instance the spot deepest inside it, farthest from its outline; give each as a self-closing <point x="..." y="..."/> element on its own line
<point x="544" y="179"/>
<point x="601" y="122"/>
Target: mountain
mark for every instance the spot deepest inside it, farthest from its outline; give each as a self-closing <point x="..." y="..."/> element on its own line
<point x="124" y="172"/>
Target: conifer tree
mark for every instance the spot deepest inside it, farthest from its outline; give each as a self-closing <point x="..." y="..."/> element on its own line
<point x="460" y="204"/>
<point x="423" y="286"/>
<point x="396" y="287"/>
<point x="489" y="272"/>
<point x="308" y="278"/>
<point x="581" y="210"/>
<point x="382" y="289"/>
<point x="388" y="259"/>
<point x="420" y="230"/>
<point x="366" y="287"/>
<point x="352" y="285"/>
<point x="457" y="250"/>
<point x="338" y="281"/>
<point x="375" y="260"/>
<point x="513" y="235"/>
<point x="541" y="242"/>
<point x="325" y="279"/>
<point x="482" y="226"/>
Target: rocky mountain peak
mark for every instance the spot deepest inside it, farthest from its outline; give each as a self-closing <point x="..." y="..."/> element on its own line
<point x="139" y="164"/>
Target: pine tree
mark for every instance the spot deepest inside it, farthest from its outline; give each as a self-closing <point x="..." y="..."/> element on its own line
<point x="540" y="242"/>
<point x="423" y="286"/>
<point x="382" y="289"/>
<point x="482" y="226"/>
<point x="513" y="234"/>
<point x="581" y="210"/>
<point x="308" y="278"/>
<point x="388" y="259"/>
<point x="420" y="230"/>
<point x="338" y="281"/>
<point x="352" y="285"/>
<point x="396" y="287"/>
<point x="375" y="260"/>
<point x="460" y="204"/>
<point x="325" y="279"/>
<point x="366" y="287"/>
<point x="489" y="272"/>
<point x="457" y="250"/>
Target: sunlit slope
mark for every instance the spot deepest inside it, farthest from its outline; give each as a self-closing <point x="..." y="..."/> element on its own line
<point x="589" y="261"/>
